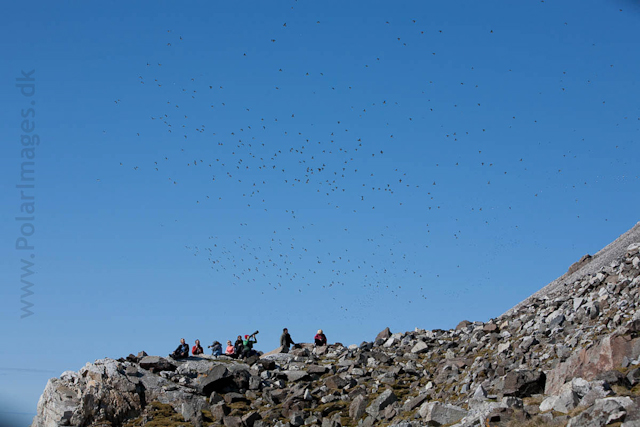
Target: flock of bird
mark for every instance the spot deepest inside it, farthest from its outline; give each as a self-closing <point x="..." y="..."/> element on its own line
<point x="309" y="193"/>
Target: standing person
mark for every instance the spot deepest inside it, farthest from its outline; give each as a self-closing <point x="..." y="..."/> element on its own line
<point x="247" y="344"/>
<point x="197" y="348"/>
<point x="182" y="352"/>
<point x="238" y="346"/>
<point x="285" y="341"/>
<point x="320" y="338"/>
<point x="230" y="349"/>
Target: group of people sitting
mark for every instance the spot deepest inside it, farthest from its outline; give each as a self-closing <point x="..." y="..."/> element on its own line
<point x="242" y="348"/>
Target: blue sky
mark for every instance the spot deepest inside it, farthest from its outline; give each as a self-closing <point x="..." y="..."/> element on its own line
<point x="205" y="170"/>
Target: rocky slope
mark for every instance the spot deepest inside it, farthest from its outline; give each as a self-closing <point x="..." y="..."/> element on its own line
<point x="569" y="356"/>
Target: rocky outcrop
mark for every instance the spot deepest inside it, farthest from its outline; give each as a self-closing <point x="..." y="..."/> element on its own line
<point x="568" y="357"/>
<point x="588" y="264"/>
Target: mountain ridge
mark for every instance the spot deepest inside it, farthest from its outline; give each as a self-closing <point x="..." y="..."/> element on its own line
<point x="567" y="355"/>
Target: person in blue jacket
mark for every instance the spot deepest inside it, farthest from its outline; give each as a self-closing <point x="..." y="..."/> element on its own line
<point x="216" y="348"/>
<point x="182" y="352"/>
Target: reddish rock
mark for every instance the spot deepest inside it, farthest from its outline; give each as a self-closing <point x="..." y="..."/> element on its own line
<point x="463" y="325"/>
<point x="588" y="363"/>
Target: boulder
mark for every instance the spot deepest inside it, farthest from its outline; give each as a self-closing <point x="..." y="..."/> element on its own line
<point x="382" y="401"/>
<point x="214" y="398"/>
<point x="100" y="391"/>
<point x="383" y="335"/>
<point x="606" y="355"/>
<point x="296" y="419"/>
<point x="420" y="347"/>
<point x="267" y="364"/>
<point x="614" y="377"/>
<point x="219" y="411"/>
<point x="603" y="412"/>
<point x="358" y="407"/>
<point x="156" y="364"/>
<point x="232" y="421"/>
<point x="316" y="369"/>
<point x="414" y="402"/>
<point x="463" y="325"/>
<point x="216" y="380"/>
<point x="562" y="403"/>
<point x="438" y="413"/>
<point x="490" y="327"/>
<point x="335" y="382"/>
<point x="633" y="376"/>
<point x="524" y="383"/>
<point x="296" y="375"/>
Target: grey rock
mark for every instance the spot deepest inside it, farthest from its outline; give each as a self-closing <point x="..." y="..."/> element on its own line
<point x="480" y="393"/>
<point x="335" y="382"/>
<point x="385" y="398"/>
<point x="357" y="408"/>
<point x="420" y="347"/>
<point x="437" y="413"/>
<point x="156" y="364"/>
<point x="296" y="375"/>
<point x="296" y="419"/>
<point x="413" y="403"/>
<point x="232" y="421"/>
<point x="215" y="380"/>
<point x="524" y="383"/>
<point x="633" y="376"/>
<point x="604" y="412"/>
<point x="214" y="398"/>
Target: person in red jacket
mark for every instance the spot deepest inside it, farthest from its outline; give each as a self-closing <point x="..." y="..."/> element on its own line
<point x="320" y="338"/>
<point x="197" y="349"/>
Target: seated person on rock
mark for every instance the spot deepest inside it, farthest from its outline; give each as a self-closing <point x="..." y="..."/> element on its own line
<point x="320" y="338"/>
<point x="247" y="346"/>
<point x="216" y="348"/>
<point x="182" y="352"/>
<point x="230" y="351"/>
<point x="238" y="346"/>
<point x="197" y="349"/>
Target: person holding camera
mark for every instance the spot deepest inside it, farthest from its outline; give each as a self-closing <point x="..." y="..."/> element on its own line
<point x="247" y="345"/>
<point x="216" y="348"/>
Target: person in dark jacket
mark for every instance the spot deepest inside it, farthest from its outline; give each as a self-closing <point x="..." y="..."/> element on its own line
<point x="320" y="338"/>
<point x="238" y="345"/>
<point x="197" y="349"/>
<point x="182" y="352"/>
<point x="285" y="341"/>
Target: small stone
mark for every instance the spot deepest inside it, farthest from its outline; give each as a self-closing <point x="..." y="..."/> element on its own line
<point x="480" y="393"/>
